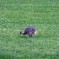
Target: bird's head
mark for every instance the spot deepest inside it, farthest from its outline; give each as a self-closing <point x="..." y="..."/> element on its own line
<point x="21" y="32"/>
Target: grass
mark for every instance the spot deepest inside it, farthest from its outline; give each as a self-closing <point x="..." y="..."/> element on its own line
<point x="15" y="15"/>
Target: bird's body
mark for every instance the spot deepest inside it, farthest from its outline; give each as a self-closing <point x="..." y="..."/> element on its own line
<point x="29" y="30"/>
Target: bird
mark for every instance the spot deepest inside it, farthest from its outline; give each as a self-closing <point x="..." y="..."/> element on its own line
<point x="29" y="31"/>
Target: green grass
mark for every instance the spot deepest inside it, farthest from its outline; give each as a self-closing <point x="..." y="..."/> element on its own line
<point x="15" y="15"/>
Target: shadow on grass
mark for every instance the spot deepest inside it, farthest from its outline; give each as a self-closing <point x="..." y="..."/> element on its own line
<point x="24" y="37"/>
<point x="2" y="56"/>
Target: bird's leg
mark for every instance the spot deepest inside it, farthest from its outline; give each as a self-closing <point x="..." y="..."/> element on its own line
<point x="30" y="35"/>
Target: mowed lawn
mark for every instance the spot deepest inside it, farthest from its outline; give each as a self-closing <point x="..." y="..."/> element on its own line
<point x="15" y="15"/>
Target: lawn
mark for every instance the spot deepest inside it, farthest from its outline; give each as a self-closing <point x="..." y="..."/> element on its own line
<point x="15" y="15"/>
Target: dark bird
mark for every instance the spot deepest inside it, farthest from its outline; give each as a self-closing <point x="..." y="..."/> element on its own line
<point x="29" y="31"/>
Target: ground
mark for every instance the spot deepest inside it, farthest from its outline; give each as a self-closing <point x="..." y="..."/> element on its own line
<point x="15" y="15"/>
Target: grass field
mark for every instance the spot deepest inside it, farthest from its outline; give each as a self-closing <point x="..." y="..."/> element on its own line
<point x="15" y="15"/>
